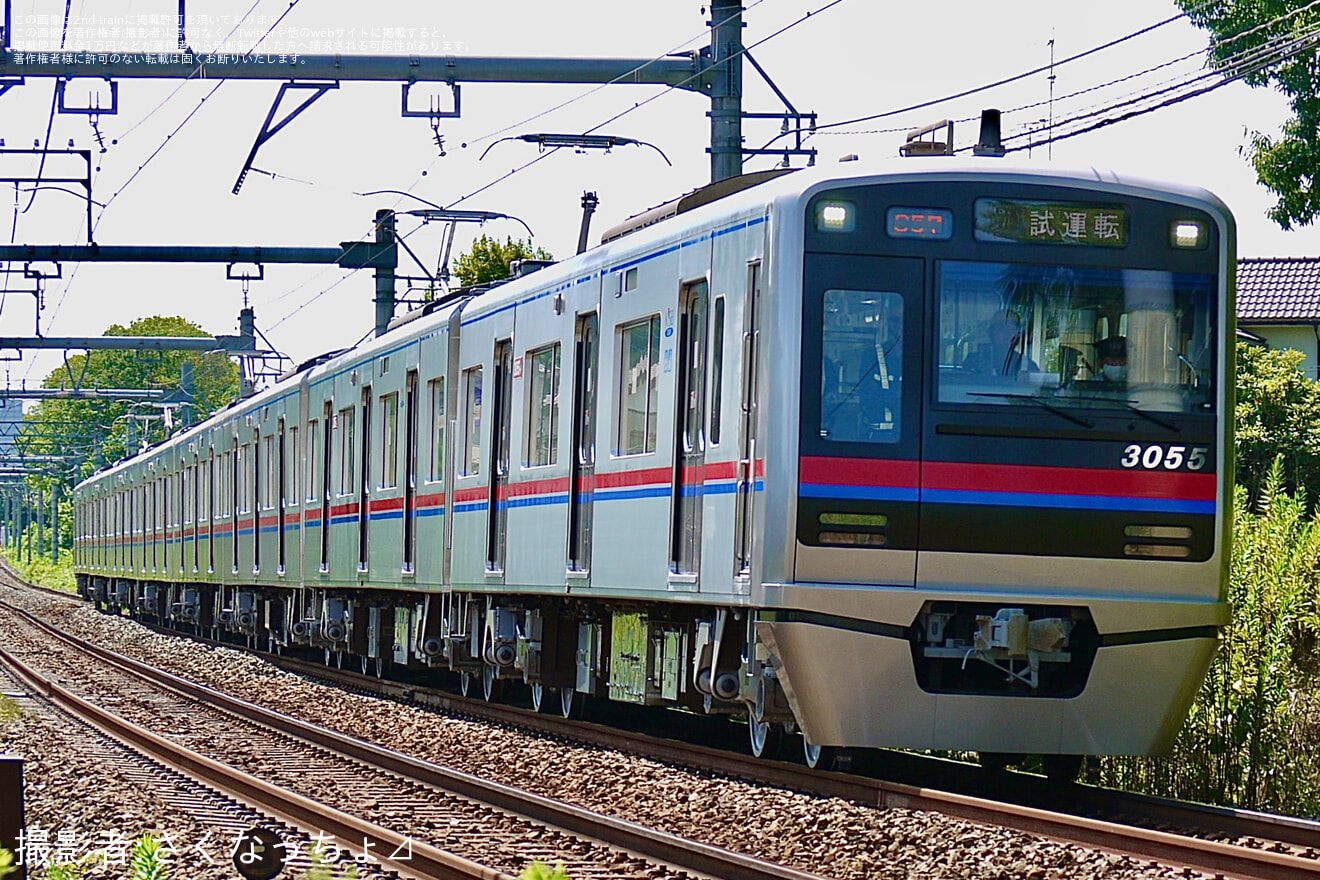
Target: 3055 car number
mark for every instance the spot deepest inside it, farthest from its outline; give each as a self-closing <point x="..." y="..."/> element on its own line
<point x="1169" y="458"/>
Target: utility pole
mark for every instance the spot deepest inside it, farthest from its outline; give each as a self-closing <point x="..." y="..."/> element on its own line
<point x="726" y="149"/>
<point x="55" y="522"/>
<point x="385" y="271"/>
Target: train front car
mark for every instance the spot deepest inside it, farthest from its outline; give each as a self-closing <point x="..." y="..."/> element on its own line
<point x="1011" y="488"/>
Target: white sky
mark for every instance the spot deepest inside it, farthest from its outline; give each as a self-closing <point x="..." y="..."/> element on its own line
<point x="857" y="58"/>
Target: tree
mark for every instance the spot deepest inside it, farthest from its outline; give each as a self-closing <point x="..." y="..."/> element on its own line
<point x="488" y="260"/>
<point x="104" y="431"/>
<point x="1286" y="165"/>
<point x="1278" y="416"/>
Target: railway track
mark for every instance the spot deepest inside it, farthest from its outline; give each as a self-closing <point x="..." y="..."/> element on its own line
<point x="220" y="809"/>
<point x="470" y="813"/>
<point x="1111" y="820"/>
<point x="1265" y="847"/>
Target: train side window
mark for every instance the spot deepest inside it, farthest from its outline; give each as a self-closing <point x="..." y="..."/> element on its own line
<point x="639" y="375"/>
<point x="543" y="407"/>
<point x="268" y="474"/>
<point x="311" y="460"/>
<point x="243" y="478"/>
<point x="716" y="370"/>
<point x="346" y="446"/>
<point x="203" y="496"/>
<point x="472" y="421"/>
<point x="437" y="387"/>
<point x="292" y="469"/>
<point x="861" y="366"/>
<point x="389" y="440"/>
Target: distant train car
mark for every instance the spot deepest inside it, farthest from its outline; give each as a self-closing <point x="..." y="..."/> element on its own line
<point x="933" y="457"/>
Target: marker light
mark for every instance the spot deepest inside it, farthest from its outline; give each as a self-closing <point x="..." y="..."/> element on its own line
<point x="1190" y="234"/>
<point x="835" y="217"/>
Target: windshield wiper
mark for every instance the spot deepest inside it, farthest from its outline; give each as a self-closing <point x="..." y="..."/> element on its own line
<point x="1031" y="398"/>
<point x="1132" y="408"/>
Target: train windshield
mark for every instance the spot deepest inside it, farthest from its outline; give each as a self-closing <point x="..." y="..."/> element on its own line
<point x="1075" y="337"/>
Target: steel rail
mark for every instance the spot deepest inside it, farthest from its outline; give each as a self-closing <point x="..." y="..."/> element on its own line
<point x="653" y="844"/>
<point x="1205" y="855"/>
<point x="422" y="861"/>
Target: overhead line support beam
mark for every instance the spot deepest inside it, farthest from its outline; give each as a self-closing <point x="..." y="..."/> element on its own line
<point x="683" y="72"/>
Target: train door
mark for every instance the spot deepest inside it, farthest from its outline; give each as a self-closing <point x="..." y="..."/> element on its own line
<point x="860" y="443"/>
<point x="582" y="468"/>
<point x="210" y="513"/>
<point x="689" y="476"/>
<point x="197" y="513"/>
<point x="747" y="406"/>
<point x="498" y="509"/>
<point x="236" y="499"/>
<point x="281" y="496"/>
<point x="364" y="486"/>
<point x="327" y="482"/>
<point x="410" y="473"/>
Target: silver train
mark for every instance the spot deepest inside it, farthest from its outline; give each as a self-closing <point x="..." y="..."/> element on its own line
<point x="934" y="456"/>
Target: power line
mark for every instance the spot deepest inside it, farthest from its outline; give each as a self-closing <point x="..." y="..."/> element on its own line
<point x="589" y="92"/>
<point x="1002" y="82"/>
<point x="548" y="153"/>
<point x="1294" y="47"/>
<point x="92" y="232"/>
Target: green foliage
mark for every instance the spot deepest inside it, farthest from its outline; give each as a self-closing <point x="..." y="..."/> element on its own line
<point x="1255" y="725"/>
<point x="67" y="870"/>
<point x="103" y="430"/>
<point x="1278" y="419"/>
<point x="7" y="865"/>
<point x="542" y="871"/>
<point x="9" y="712"/>
<point x="148" y="859"/>
<point x="488" y="260"/>
<point x="1287" y="165"/>
<point x="324" y="869"/>
<point x="41" y="571"/>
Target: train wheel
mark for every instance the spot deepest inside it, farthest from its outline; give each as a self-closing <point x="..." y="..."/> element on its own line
<point x="1061" y="768"/>
<point x="464" y="682"/>
<point x="766" y="738"/>
<point x="490" y="683"/>
<point x="818" y="757"/>
<point x="538" y="696"/>
<point x="570" y="704"/>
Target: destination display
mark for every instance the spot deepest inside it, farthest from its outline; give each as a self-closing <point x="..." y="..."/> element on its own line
<point x="1021" y="221"/>
<point x="933" y="223"/>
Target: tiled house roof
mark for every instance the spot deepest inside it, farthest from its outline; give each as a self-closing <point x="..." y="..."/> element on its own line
<point x="1278" y="290"/>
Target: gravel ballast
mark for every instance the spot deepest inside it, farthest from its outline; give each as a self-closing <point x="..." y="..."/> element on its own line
<point x="825" y="836"/>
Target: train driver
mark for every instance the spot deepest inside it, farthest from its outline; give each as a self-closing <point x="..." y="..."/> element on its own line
<point x="1112" y="354"/>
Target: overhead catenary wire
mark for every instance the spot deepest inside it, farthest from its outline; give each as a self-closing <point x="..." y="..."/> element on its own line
<point x="1303" y="44"/>
<point x="622" y="77"/>
<point x="828" y="128"/>
<point x="509" y="174"/>
<point x="1250" y="60"/>
<point x="91" y="233"/>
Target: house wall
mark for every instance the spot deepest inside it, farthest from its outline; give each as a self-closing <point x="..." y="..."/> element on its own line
<point x="1301" y="337"/>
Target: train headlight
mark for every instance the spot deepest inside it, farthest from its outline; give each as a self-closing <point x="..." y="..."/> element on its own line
<point x="1191" y="234"/>
<point x="836" y="216"/>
